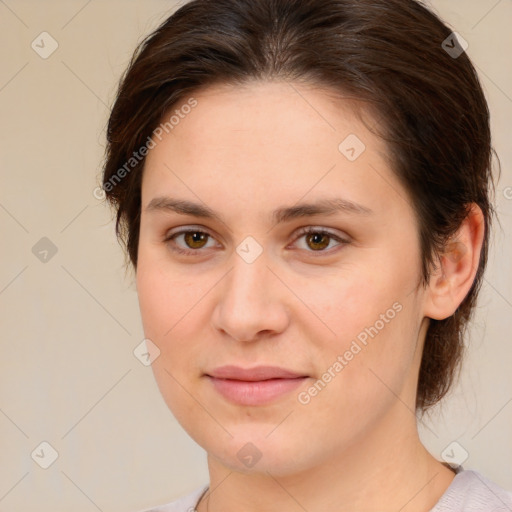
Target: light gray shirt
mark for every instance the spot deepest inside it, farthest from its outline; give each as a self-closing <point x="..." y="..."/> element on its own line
<point x="469" y="492"/>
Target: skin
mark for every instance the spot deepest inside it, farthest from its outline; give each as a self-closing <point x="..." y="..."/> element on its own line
<point x="244" y="152"/>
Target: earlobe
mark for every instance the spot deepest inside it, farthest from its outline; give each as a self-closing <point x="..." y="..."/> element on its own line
<point x="456" y="268"/>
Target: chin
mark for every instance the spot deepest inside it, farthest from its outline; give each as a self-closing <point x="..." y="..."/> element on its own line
<point x="259" y="453"/>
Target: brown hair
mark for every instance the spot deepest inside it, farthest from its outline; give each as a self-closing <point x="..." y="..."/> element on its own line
<point x="390" y="53"/>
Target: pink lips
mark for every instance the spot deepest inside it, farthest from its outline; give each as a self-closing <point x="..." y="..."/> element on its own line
<point x="255" y="386"/>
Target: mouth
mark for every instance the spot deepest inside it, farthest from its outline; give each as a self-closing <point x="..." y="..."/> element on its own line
<point x="256" y="386"/>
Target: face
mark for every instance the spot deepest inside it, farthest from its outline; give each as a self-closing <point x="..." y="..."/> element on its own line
<point x="251" y="277"/>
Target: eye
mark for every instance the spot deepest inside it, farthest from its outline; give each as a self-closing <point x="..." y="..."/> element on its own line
<point x="193" y="239"/>
<point x="318" y="239"/>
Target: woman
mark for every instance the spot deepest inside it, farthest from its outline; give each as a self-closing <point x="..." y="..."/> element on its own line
<point x="303" y="190"/>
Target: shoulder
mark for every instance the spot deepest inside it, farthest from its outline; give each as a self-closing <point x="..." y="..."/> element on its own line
<point x="470" y="491"/>
<point x="185" y="504"/>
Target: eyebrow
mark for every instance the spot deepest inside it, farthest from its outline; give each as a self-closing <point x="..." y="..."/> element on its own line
<point x="283" y="214"/>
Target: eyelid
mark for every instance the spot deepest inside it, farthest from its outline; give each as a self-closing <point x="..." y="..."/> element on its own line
<point x="341" y="241"/>
<point x="185" y="229"/>
<point x="171" y="234"/>
<point x="320" y="229"/>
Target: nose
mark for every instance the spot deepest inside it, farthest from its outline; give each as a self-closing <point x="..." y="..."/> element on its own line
<point x="252" y="303"/>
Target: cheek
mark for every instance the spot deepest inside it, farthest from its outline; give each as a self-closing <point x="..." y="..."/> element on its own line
<point x="166" y="313"/>
<point x="169" y="319"/>
<point x="167" y="296"/>
<point x="372" y="319"/>
<point x="348" y="302"/>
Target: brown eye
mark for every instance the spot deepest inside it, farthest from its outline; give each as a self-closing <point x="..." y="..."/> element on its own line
<point x="318" y="241"/>
<point x="188" y="241"/>
<point x="195" y="239"/>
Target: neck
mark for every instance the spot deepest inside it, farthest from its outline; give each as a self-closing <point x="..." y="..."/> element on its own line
<point x="387" y="471"/>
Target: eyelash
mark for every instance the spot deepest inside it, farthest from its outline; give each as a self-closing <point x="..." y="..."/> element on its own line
<point x="302" y="232"/>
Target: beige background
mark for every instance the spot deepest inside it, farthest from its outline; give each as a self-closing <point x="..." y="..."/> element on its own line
<point x="69" y="325"/>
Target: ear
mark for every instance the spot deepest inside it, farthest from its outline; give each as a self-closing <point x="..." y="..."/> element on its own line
<point x="451" y="281"/>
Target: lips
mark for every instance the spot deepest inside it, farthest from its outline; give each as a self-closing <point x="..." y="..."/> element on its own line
<point x="253" y="374"/>
<point x="255" y="386"/>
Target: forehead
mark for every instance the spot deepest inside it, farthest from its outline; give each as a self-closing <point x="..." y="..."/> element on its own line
<point x="262" y="108"/>
<point x="266" y="139"/>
